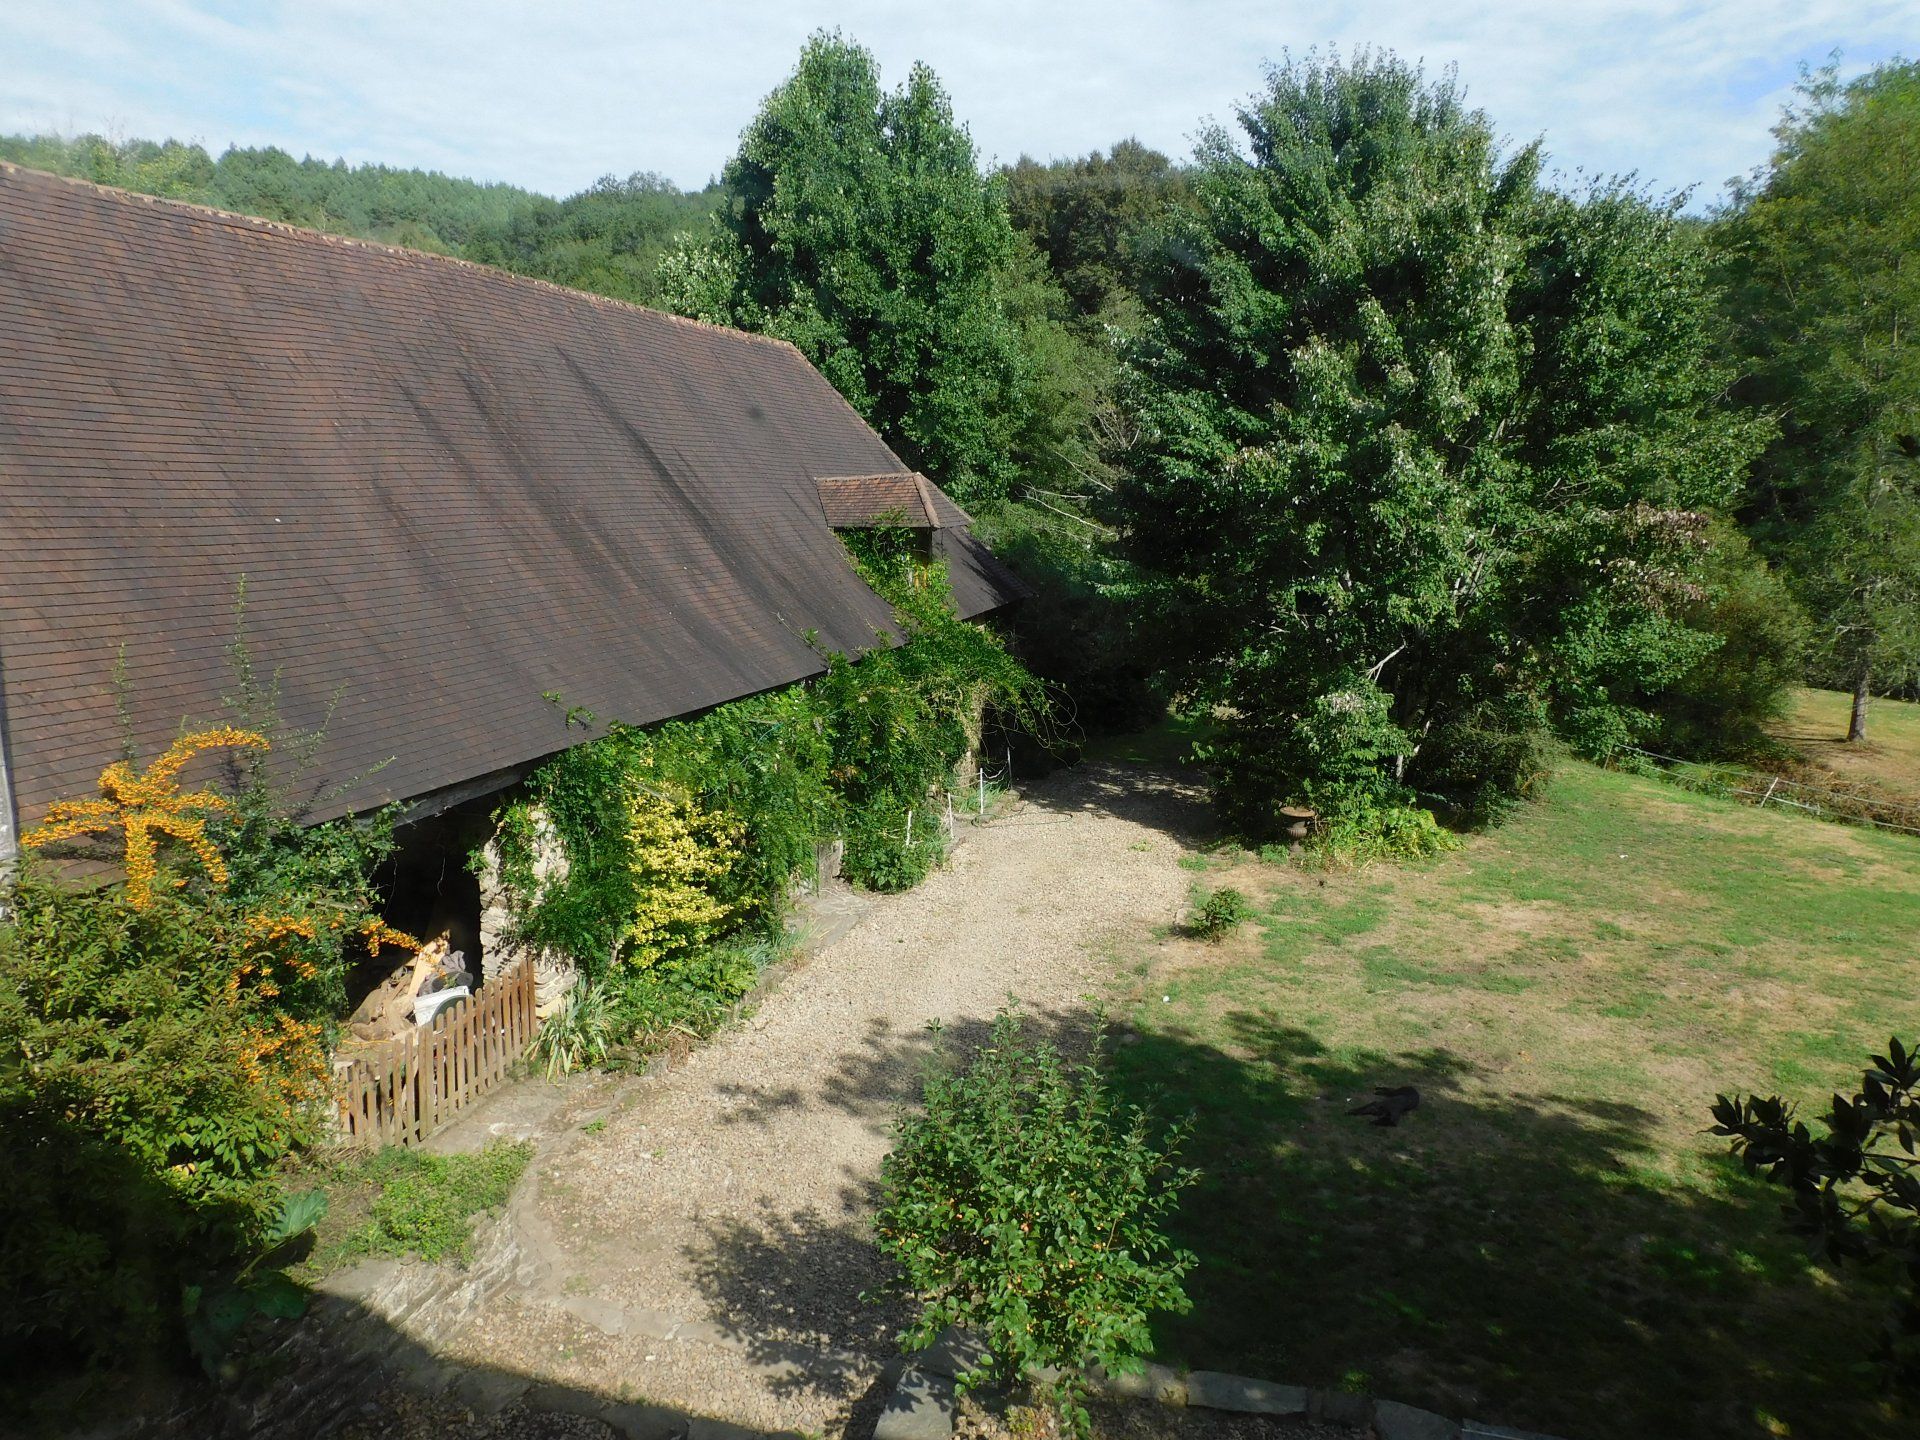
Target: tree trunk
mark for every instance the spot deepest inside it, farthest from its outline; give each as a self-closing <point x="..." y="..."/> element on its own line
<point x="1857" y="722"/>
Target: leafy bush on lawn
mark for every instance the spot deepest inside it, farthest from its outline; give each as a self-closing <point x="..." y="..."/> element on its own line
<point x="1855" y="1190"/>
<point x="1221" y="913"/>
<point x="1023" y="1204"/>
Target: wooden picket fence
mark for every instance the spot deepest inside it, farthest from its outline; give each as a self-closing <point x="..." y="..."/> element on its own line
<point x="401" y="1091"/>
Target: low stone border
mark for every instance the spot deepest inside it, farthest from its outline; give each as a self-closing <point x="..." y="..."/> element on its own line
<point x="922" y="1404"/>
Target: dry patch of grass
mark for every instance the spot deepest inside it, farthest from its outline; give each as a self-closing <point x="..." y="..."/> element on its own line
<point x="1816" y="726"/>
<point x="1551" y="1241"/>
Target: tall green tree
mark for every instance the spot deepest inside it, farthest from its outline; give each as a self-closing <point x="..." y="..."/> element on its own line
<point x="1823" y="251"/>
<point x="1090" y="217"/>
<point x="1425" y="455"/>
<point x="857" y="225"/>
<point x="610" y="238"/>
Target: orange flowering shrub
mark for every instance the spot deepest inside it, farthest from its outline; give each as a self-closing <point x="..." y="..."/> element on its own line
<point x="164" y="1043"/>
<point x="142" y="806"/>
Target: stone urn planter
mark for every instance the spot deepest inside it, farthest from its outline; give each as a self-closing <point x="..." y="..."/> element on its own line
<point x="1296" y="824"/>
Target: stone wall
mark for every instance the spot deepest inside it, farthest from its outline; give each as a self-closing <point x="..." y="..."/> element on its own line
<point x="553" y="973"/>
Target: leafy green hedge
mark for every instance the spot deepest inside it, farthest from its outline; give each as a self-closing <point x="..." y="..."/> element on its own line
<point x="681" y="836"/>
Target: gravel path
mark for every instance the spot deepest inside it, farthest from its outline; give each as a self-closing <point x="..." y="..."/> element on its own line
<point x="708" y="1245"/>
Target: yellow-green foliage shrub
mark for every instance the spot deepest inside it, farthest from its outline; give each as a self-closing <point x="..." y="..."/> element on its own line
<point x="679" y="856"/>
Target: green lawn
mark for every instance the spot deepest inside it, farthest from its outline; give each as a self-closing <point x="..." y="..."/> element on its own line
<point x="1816" y="726"/>
<point x="1551" y="1242"/>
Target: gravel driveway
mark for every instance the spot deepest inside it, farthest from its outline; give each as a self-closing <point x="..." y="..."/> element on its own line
<point x="707" y="1245"/>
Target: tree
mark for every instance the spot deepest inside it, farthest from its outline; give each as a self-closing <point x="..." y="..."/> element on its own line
<point x="610" y="238"/>
<point x="1089" y="217"/>
<point x="1823" y="256"/>
<point x="1424" y="455"/>
<point x="857" y="225"/>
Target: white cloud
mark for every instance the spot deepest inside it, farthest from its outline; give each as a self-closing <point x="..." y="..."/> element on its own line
<point x="551" y="95"/>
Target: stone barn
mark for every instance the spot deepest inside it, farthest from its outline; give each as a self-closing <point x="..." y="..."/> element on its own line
<point x="451" y="494"/>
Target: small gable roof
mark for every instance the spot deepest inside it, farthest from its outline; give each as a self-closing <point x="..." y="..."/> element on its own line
<point x="854" y="502"/>
<point x="450" y="491"/>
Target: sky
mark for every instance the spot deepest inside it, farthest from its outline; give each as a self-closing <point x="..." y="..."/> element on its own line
<point x="551" y="94"/>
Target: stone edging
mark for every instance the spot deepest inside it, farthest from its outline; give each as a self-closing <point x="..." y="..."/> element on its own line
<point x="922" y="1404"/>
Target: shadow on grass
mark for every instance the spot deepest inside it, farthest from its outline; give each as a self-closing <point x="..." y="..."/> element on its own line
<point x="1520" y="1259"/>
<point x="1517" y="1259"/>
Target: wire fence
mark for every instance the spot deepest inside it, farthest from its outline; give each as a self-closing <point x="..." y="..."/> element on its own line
<point x="1762" y="788"/>
<point x="989" y="782"/>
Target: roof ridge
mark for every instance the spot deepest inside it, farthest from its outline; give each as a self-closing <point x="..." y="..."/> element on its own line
<point x="380" y="247"/>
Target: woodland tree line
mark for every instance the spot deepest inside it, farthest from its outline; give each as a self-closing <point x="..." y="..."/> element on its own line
<point x="1405" y="458"/>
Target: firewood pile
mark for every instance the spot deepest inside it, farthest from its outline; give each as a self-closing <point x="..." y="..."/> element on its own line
<point x="436" y="977"/>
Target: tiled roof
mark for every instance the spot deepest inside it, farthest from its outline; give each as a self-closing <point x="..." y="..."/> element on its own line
<point x="855" y="502"/>
<point x="449" y="489"/>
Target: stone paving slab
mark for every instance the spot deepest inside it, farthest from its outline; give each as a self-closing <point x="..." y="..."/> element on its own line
<point x="920" y="1408"/>
<point x="1394" y="1421"/>
<point x="1212" y="1390"/>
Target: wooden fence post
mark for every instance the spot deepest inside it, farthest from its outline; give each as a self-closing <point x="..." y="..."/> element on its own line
<point x="401" y="1091"/>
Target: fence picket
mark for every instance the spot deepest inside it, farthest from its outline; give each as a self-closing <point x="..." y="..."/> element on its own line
<point x="404" y="1089"/>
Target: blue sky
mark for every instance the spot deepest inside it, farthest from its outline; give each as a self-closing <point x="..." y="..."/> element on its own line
<point x="551" y="94"/>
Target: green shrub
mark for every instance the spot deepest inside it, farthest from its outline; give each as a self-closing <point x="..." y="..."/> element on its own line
<point x="424" y="1205"/>
<point x="879" y="855"/>
<point x="581" y="1033"/>
<point x="149" y="1084"/>
<point x="1024" y="1205"/>
<point x="1726" y="702"/>
<point x="257" y="1284"/>
<point x="163" y="1046"/>
<point x="1488" y="759"/>
<point x="1221" y="913"/>
<point x="1359" y="833"/>
<point x="692" y="996"/>
<point x="628" y="1013"/>
<point x="1853" y="1191"/>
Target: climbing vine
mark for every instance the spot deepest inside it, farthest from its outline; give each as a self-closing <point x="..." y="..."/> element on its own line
<point x="683" y="834"/>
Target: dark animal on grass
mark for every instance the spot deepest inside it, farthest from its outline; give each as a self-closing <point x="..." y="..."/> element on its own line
<point x="1395" y="1103"/>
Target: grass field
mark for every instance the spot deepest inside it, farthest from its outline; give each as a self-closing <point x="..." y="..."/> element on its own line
<point x="1551" y="1242"/>
<point x="1816" y="726"/>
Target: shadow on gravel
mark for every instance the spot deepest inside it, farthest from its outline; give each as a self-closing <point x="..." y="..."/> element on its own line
<point x="874" y="1079"/>
<point x="345" y="1373"/>
<point x="793" y="1290"/>
<point x="1170" y="801"/>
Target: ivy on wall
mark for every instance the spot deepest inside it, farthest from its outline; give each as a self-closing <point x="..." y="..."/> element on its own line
<point x="689" y="832"/>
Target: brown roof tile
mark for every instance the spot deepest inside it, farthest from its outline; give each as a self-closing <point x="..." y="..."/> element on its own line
<point x="450" y="490"/>
<point x="854" y="502"/>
